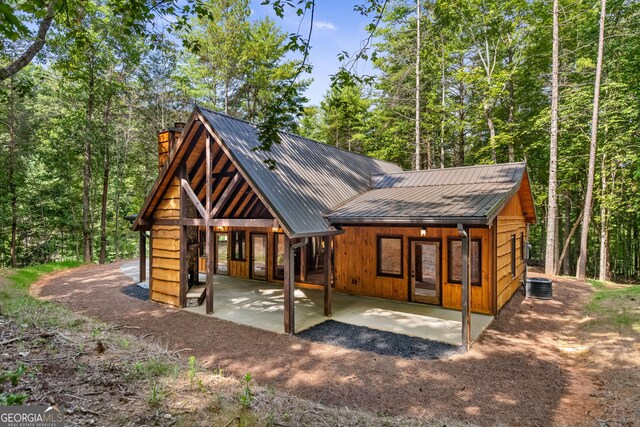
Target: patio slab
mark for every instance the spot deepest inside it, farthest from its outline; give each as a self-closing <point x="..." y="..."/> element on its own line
<point x="260" y="304"/>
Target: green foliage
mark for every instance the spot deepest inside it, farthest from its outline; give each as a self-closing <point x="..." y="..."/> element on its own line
<point x="151" y="368"/>
<point x="157" y="394"/>
<point x="193" y="368"/>
<point x="246" y="396"/>
<point x="13" y="376"/>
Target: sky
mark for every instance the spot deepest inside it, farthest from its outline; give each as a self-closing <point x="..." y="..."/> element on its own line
<point x="337" y="27"/>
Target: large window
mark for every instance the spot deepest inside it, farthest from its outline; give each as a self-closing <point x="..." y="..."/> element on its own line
<point x="278" y="255"/>
<point x="455" y="261"/>
<point x="238" y="245"/>
<point x="513" y="255"/>
<point x="390" y="256"/>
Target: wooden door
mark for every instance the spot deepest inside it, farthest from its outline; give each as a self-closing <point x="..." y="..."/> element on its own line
<point x="426" y="281"/>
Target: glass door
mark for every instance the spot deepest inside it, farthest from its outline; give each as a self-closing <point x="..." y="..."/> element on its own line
<point x="259" y="256"/>
<point x="425" y="271"/>
<point x="222" y="253"/>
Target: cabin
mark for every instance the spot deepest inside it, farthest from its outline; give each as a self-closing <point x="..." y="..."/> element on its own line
<point x="325" y="217"/>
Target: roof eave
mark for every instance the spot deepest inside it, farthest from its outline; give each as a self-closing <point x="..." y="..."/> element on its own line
<point x="479" y="220"/>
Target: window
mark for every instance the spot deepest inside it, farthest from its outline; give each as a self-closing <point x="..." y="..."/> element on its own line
<point x="522" y="246"/>
<point x="203" y="243"/>
<point x="455" y="261"/>
<point x="390" y="256"/>
<point x="278" y="262"/>
<point x="513" y="255"/>
<point x="238" y="245"/>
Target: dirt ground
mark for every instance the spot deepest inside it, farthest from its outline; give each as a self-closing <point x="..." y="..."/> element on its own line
<point x="533" y="366"/>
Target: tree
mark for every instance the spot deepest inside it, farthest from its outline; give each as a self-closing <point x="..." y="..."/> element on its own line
<point x="581" y="269"/>
<point x="552" y="208"/>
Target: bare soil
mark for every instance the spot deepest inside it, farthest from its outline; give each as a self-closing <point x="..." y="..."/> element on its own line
<point x="535" y="365"/>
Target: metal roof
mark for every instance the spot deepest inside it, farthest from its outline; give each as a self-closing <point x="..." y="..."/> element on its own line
<point x="472" y="194"/>
<point x="310" y="177"/>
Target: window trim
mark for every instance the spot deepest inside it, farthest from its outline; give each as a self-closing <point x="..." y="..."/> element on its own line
<point x="233" y="245"/>
<point x="513" y="255"/>
<point x="379" y="238"/>
<point x="449" y="269"/>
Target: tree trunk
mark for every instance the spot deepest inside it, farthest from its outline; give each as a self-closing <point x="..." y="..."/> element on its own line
<point x="567" y="241"/>
<point x="13" y="195"/>
<point x="442" y="106"/>
<point x="604" y="228"/>
<point x="552" y="208"/>
<point x="566" y="262"/>
<point x="417" y="143"/>
<point x="461" y="119"/>
<point x="86" y="175"/>
<point x="105" y="186"/>
<point x="511" y="121"/>
<point x="37" y="45"/>
<point x="492" y="132"/>
<point x="581" y="270"/>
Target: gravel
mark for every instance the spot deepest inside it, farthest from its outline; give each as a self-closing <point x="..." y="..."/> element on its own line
<point x="136" y="292"/>
<point x="380" y="342"/>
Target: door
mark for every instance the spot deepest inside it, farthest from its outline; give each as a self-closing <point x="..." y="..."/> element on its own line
<point x="222" y="253"/>
<point x="259" y="256"/>
<point x="426" y="283"/>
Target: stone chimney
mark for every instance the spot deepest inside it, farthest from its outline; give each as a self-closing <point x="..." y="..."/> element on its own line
<point x="167" y="141"/>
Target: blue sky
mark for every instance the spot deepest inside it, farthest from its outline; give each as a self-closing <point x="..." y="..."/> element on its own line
<point x="337" y="27"/>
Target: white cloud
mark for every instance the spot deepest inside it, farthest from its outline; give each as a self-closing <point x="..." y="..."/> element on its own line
<point x="321" y="25"/>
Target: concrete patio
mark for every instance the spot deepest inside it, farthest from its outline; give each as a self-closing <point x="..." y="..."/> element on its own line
<point x="261" y="305"/>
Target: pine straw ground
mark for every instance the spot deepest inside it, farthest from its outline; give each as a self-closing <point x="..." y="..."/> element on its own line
<point x="115" y="360"/>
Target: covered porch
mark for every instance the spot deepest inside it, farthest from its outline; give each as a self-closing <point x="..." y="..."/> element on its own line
<point x="260" y="304"/>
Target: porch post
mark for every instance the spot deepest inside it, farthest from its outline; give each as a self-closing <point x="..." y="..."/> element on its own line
<point x="303" y="263"/>
<point x="289" y="288"/>
<point x="328" y="275"/>
<point x="143" y="257"/>
<point x="466" y="289"/>
<point x="209" y="229"/>
<point x="184" y="258"/>
<point x="150" y="262"/>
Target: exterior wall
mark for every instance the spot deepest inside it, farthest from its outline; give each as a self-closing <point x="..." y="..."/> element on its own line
<point x="165" y="250"/>
<point x="355" y="260"/>
<point x="511" y="221"/>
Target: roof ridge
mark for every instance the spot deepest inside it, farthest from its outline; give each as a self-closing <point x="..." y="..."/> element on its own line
<point x="447" y="184"/>
<point x="300" y="136"/>
<point x="433" y="170"/>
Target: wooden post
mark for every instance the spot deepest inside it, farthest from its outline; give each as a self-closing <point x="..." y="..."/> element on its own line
<point x="143" y="257"/>
<point x="289" y="288"/>
<point x="328" y="275"/>
<point x="209" y="230"/>
<point x="184" y="258"/>
<point x="303" y="263"/>
<point x="466" y="288"/>
<point x="150" y="263"/>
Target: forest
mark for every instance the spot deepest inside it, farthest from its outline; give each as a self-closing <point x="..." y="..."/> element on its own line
<point x="86" y="84"/>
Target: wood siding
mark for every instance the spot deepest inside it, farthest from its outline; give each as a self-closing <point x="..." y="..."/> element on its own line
<point x="165" y="250"/>
<point x="511" y="221"/>
<point x="356" y="270"/>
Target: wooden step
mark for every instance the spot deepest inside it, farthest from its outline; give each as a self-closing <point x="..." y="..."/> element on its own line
<point x="195" y="296"/>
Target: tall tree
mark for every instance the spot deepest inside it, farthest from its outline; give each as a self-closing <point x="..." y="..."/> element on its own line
<point x="552" y="204"/>
<point x="581" y="269"/>
<point x="417" y="93"/>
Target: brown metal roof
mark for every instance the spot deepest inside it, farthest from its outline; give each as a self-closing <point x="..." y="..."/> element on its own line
<point x="310" y="178"/>
<point x="473" y="194"/>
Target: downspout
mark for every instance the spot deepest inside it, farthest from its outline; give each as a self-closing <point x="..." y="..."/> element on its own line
<point x="466" y="297"/>
<point x="292" y="279"/>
